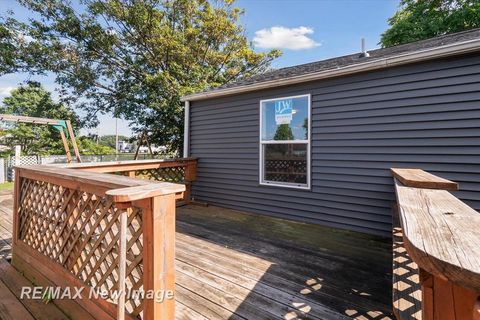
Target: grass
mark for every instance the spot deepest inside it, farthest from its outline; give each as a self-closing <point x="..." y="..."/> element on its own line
<point x="6" y="186"/>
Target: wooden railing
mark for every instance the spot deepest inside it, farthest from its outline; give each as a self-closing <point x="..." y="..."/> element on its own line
<point x="108" y="234"/>
<point x="442" y="235"/>
<point x="181" y="170"/>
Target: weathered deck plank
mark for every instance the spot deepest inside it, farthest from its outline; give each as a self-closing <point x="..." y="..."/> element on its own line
<point x="232" y="265"/>
<point x="10" y="307"/>
<point x="316" y="274"/>
<point x="6" y="204"/>
<point x="14" y="281"/>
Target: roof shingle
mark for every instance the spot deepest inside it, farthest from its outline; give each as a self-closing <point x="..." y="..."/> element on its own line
<point x="353" y="59"/>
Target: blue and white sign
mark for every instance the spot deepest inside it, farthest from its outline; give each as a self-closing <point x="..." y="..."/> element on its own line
<point x="283" y="111"/>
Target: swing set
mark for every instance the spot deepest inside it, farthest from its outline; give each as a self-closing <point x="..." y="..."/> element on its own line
<point x="63" y="126"/>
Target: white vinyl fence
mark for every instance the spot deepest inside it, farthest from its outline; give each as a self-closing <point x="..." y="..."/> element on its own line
<point x="3" y="174"/>
<point x="9" y="174"/>
<point x="6" y="164"/>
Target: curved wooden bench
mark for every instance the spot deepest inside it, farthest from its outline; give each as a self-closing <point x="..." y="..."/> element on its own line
<point x="442" y="236"/>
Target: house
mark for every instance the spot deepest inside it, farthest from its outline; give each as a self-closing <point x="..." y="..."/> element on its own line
<point x="315" y="142"/>
<point x="312" y="143"/>
<point x="125" y="146"/>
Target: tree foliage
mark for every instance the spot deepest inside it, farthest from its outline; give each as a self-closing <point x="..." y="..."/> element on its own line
<point x="422" y="19"/>
<point x="87" y="146"/>
<point x="7" y="51"/>
<point x="134" y="58"/>
<point x="284" y="132"/>
<point x="109" y="140"/>
<point x="34" y="101"/>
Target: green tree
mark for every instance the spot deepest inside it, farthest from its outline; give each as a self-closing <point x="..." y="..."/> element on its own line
<point x="87" y="146"/>
<point x="7" y="51"/>
<point x="284" y="132"/>
<point x="422" y="19"/>
<point x="109" y="140"/>
<point x="136" y="59"/>
<point x="34" y="101"/>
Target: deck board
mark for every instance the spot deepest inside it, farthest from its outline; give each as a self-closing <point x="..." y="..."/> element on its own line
<point x="6" y="204"/>
<point x="232" y="265"/>
<point x="14" y="281"/>
<point x="10" y="307"/>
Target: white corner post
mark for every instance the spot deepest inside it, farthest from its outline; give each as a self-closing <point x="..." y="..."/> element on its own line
<point x="17" y="159"/>
<point x="18" y="154"/>
<point x="186" y="130"/>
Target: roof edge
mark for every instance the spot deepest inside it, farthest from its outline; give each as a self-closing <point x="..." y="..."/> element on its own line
<point x="402" y="59"/>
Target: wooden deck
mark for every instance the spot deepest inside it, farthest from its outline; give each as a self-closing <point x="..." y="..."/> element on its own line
<point x="232" y="265"/>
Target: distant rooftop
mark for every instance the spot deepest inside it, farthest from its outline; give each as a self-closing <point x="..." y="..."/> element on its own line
<point x="345" y="61"/>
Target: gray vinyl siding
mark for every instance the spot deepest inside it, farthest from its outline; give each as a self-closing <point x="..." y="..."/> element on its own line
<point x="424" y="116"/>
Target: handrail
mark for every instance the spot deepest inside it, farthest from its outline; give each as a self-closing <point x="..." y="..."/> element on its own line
<point x="81" y="178"/>
<point x="151" y="190"/>
<point x="179" y="170"/>
<point x="441" y="234"/>
<point x="76" y="225"/>
<point x="119" y="166"/>
<point x="421" y="179"/>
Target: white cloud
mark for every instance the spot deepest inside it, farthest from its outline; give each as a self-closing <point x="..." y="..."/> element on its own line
<point x="285" y="38"/>
<point x="5" y="91"/>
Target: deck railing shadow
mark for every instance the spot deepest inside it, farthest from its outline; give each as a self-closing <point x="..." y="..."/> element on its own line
<point x="5" y="248"/>
<point x="407" y="294"/>
<point x="295" y="272"/>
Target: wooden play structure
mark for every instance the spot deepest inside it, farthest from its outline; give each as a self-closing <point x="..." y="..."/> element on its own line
<point x="59" y="125"/>
<point x="143" y="140"/>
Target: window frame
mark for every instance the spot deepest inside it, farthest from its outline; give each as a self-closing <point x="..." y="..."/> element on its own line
<point x="262" y="142"/>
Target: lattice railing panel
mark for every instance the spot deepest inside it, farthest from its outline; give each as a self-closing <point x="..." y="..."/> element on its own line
<point x="80" y="231"/>
<point x="167" y="174"/>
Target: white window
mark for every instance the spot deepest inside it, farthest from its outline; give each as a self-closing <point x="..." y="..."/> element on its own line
<point x="285" y="142"/>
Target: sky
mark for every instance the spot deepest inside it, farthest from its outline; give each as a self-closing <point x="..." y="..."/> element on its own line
<point x="304" y="30"/>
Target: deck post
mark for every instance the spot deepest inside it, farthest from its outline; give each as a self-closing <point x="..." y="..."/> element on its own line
<point x="190" y="176"/>
<point x="16" y="204"/>
<point x="158" y="215"/>
<point x="191" y="170"/>
<point x="122" y="264"/>
<point x="426" y="282"/>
